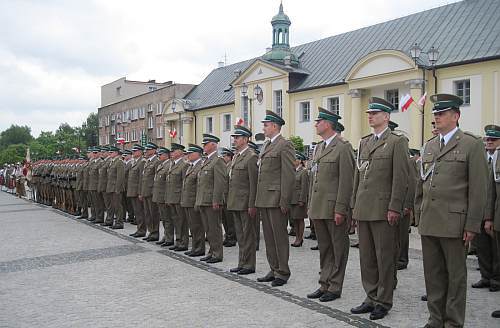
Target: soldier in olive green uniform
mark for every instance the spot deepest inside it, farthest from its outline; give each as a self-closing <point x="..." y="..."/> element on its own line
<point x="82" y="186"/>
<point x="116" y="186"/>
<point x="453" y="164"/>
<point x="380" y="184"/>
<point x="211" y="187"/>
<point x="127" y="203"/>
<point x="146" y="194"/>
<point x="300" y="196"/>
<point x="102" y="184"/>
<point x="241" y="199"/>
<point x="134" y="185"/>
<point x="159" y="190"/>
<point x="331" y="190"/>
<point x="188" y="200"/>
<point x="175" y="176"/>
<point x="227" y="219"/>
<point x="95" y="187"/>
<point x="275" y="186"/>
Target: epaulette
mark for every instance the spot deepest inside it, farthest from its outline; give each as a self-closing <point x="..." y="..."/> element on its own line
<point x="432" y="138"/>
<point x="399" y="134"/>
<point x="367" y="136"/>
<point x="343" y="140"/>
<point x="472" y="135"/>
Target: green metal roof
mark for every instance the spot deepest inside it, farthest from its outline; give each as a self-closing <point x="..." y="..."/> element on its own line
<point x="465" y="31"/>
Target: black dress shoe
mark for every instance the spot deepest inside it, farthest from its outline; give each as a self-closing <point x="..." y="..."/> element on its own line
<point x="196" y="254"/>
<point x="278" y="282"/>
<point x="496" y="314"/>
<point x="266" y="278"/>
<point x="97" y="221"/>
<point x="328" y="296"/>
<point x="206" y="258"/>
<point x="316" y="294"/>
<point x="173" y="248"/>
<point x="105" y="224"/>
<point x="363" y="308"/>
<point x="133" y="234"/>
<point x="494" y="288"/>
<point x="378" y="313"/>
<point x="246" y="271"/>
<point x="117" y="227"/>
<point x="167" y="244"/>
<point x="160" y="242"/>
<point x="481" y="284"/>
<point x="401" y="266"/>
<point x="315" y="248"/>
<point x="152" y="238"/>
<point x="139" y="235"/>
<point x="230" y="244"/>
<point x="181" y="249"/>
<point x="237" y="269"/>
<point x="188" y="253"/>
<point x="423" y="298"/>
<point x="214" y="260"/>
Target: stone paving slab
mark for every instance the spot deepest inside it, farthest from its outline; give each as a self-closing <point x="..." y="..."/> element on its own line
<point x="118" y="281"/>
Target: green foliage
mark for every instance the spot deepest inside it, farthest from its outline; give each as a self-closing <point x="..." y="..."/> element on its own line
<point x="13" y="154"/>
<point x="15" y="135"/>
<point x="298" y="143"/>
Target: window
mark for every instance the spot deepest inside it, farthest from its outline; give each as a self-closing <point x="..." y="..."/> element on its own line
<point x="305" y="111"/>
<point x="106" y="120"/>
<point x="113" y="130"/>
<point x="127" y="136"/>
<point x="462" y="90"/>
<point x="333" y="105"/>
<point x="226" y="122"/>
<point x="244" y="110"/>
<point x="392" y="96"/>
<point x="159" y="108"/>
<point x="113" y="117"/>
<point x="142" y="112"/>
<point x="278" y="102"/>
<point x="101" y="122"/>
<point x="209" y="125"/>
<point x="159" y="132"/>
<point x="118" y="91"/>
<point x="134" y="135"/>
<point x="150" y="108"/>
<point x="150" y="122"/>
<point x="106" y="140"/>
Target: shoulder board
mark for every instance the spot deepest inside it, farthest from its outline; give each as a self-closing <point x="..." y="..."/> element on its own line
<point x="367" y="136"/>
<point x="434" y="137"/>
<point x="342" y="140"/>
<point x="472" y="135"/>
<point x="397" y="134"/>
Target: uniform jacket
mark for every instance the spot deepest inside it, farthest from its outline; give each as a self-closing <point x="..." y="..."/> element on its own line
<point x="381" y="177"/>
<point x="116" y="176"/>
<point x="212" y="182"/>
<point x="134" y="180"/>
<point x="148" y="175"/>
<point x="275" y="183"/>
<point x="243" y="174"/>
<point x="452" y="197"/>
<point x="189" y="183"/>
<point x="175" y="175"/>
<point x="93" y="172"/>
<point x="160" y="182"/>
<point x="332" y="179"/>
<point x="412" y="183"/>
<point x="103" y="175"/>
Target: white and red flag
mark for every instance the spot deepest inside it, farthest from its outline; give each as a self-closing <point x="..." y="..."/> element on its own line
<point x="405" y="102"/>
<point x="172" y="133"/>
<point x="239" y="121"/>
<point x="422" y="99"/>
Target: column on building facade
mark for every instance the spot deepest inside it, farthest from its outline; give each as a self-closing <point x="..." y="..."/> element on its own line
<point x="187" y="128"/>
<point x="416" y="127"/>
<point x="355" y="131"/>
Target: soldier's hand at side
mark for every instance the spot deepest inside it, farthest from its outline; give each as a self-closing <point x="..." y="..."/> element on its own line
<point x="301" y="204"/>
<point x="392" y="217"/>
<point x="215" y="206"/>
<point x="407" y="211"/>
<point x="140" y="198"/>
<point x="284" y="210"/>
<point x="468" y="236"/>
<point x="488" y="227"/>
<point x="252" y="211"/>
<point x="339" y="218"/>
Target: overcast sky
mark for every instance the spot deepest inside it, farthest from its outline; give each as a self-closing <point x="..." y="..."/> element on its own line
<point x="55" y="54"/>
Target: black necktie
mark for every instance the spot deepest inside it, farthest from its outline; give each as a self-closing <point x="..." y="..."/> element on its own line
<point x="489" y="160"/>
<point x="441" y="146"/>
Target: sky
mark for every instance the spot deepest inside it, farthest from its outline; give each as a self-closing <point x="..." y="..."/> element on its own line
<point x="56" y="54"/>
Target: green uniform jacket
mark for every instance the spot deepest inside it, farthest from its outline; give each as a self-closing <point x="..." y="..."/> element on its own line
<point x="275" y="183"/>
<point x="175" y="176"/>
<point x="116" y="176"/>
<point x="243" y="174"/>
<point x="103" y="175"/>
<point x="134" y="181"/>
<point x="188" y="198"/>
<point x="381" y="177"/>
<point x="148" y="176"/>
<point x="160" y="182"/>
<point x="93" y="168"/>
<point x="212" y="182"/>
<point x="332" y="179"/>
<point x="452" y="197"/>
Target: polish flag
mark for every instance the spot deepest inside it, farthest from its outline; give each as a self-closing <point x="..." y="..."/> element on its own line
<point x="121" y="141"/>
<point x="172" y="133"/>
<point x="421" y="101"/>
<point x="405" y="102"/>
<point x="239" y="121"/>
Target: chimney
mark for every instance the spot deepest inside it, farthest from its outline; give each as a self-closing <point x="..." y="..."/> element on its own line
<point x="220" y="64"/>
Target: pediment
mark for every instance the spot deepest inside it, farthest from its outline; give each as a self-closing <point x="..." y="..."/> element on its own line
<point x="380" y="63"/>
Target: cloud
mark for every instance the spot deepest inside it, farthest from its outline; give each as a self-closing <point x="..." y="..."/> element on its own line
<point x="55" y="55"/>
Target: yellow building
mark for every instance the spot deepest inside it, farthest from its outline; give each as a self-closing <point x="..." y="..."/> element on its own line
<point x="461" y="55"/>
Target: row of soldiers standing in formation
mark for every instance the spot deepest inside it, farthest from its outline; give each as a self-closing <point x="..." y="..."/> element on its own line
<point x="376" y="188"/>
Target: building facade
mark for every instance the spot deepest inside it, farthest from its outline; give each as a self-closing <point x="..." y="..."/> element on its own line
<point x="122" y="89"/>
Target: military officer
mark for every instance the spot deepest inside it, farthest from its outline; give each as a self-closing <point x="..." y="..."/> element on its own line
<point x="299" y="199"/>
<point x="116" y="186"/>
<point x="146" y="194"/>
<point x="380" y="184"/>
<point x="95" y="186"/>
<point x="159" y="189"/>
<point x="127" y="203"/>
<point x="487" y="256"/>
<point x="188" y="200"/>
<point x="253" y="146"/>
<point x="492" y="222"/>
<point x="453" y="164"/>
<point x="102" y="184"/>
<point x="331" y="190"/>
<point x="275" y="186"/>
<point x="211" y="187"/>
<point x="175" y="176"/>
<point x="227" y="219"/>
<point x="83" y="179"/>
<point x="134" y="185"/>
<point x="241" y="199"/>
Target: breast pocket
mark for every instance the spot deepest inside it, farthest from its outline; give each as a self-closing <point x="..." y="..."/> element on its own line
<point x="456" y="164"/>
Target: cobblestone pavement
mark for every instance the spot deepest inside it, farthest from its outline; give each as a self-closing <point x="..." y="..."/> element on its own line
<point x="56" y="271"/>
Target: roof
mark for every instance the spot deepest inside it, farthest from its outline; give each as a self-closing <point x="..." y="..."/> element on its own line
<point x="465" y="31"/>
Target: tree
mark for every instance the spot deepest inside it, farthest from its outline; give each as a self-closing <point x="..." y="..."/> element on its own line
<point x="90" y="130"/>
<point x="298" y="143"/>
<point x="15" y="135"/>
<point x="13" y="154"/>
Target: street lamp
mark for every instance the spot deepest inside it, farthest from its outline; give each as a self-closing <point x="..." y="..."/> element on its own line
<point x="257" y="91"/>
<point x="433" y="55"/>
<point x="415" y="52"/>
<point x="244" y="90"/>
